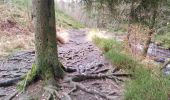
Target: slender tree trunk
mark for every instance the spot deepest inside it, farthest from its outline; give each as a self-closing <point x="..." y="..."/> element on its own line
<point x="148" y="41"/>
<point x="130" y="21"/>
<point x="47" y="62"/>
<point x="151" y="31"/>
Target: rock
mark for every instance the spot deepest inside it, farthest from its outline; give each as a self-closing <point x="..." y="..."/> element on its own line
<point x="161" y="60"/>
<point x="168" y="67"/>
<point x="166" y="70"/>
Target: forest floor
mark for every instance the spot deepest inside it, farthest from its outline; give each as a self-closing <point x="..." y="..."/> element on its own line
<point x="77" y="53"/>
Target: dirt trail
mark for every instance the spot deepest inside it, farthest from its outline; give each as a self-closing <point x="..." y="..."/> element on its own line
<point x="79" y="54"/>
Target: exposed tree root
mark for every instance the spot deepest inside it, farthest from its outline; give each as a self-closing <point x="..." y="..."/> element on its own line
<point x="29" y="78"/>
<point x="93" y="92"/>
<point x="2" y="95"/>
<point x="52" y="93"/>
<point x="11" y="82"/>
<point x="52" y="90"/>
<point x="10" y="97"/>
<point x="26" y="79"/>
<point x="95" y="68"/>
<point x="115" y="70"/>
<point x="68" y="69"/>
<point x="122" y="74"/>
<point x="78" y="78"/>
<point x="100" y="71"/>
<point x="114" y="76"/>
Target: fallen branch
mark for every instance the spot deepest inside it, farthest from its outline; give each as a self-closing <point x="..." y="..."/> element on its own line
<point x="97" y="67"/>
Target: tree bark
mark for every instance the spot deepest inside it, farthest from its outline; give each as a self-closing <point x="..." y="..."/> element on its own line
<point x="130" y="22"/>
<point x="151" y="31"/>
<point x="47" y="63"/>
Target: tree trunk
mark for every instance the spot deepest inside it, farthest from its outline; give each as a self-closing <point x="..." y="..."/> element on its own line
<point x="130" y="22"/>
<point x="148" y="41"/>
<point x="151" y="31"/>
<point x="47" y="63"/>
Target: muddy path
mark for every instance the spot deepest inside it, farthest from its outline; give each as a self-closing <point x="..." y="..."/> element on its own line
<point x="78" y="54"/>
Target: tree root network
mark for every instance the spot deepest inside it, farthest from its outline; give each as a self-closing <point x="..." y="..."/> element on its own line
<point x="74" y="80"/>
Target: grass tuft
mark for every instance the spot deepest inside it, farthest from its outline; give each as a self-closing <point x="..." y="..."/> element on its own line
<point x="147" y="86"/>
<point x="107" y="44"/>
<point x="120" y="60"/>
<point x="164" y="39"/>
<point x="113" y="51"/>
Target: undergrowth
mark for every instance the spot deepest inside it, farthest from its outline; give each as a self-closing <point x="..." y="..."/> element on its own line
<point x="164" y="39"/>
<point x="120" y="60"/>
<point x="14" y="32"/>
<point x="66" y="21"/>
<point x="107" y="44"/>
<point x="145" y="84"/>
<point x="62" y="19"/>
<point x="16" y="29"/>
<point x="21" y="4"/>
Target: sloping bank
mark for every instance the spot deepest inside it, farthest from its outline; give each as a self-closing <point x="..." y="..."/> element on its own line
<point x="145" y="84"/>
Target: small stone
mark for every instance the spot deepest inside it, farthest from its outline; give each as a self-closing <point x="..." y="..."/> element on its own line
<point x="168" y="66"/>
<point x="167" y="72"/>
